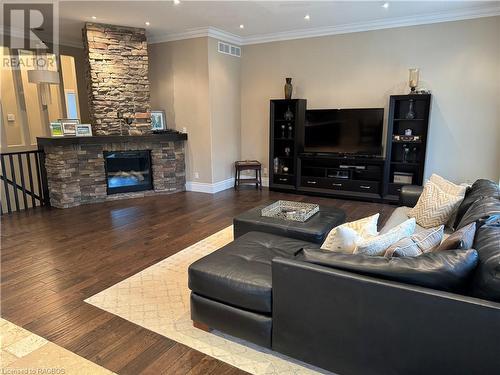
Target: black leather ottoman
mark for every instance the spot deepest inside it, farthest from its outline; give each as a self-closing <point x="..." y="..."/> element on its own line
<point x="232" y="287"/>
<point x="313" y="230"/>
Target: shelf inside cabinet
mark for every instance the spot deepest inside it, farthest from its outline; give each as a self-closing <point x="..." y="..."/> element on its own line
<point x="413" y="142"/>
<point x="405" y="163"/>
<point x="409" y="119"/>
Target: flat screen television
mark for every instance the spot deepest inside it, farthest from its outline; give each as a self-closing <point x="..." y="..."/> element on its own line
<point x="344" y="131"/>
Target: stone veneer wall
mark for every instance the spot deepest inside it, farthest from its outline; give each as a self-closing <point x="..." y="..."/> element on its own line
<point x="76" y="174"/>
<point x="116" y="59"/>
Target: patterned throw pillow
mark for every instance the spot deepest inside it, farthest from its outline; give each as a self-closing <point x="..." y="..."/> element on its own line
<point x="346" y="240"/>
<point x="452" y="189"/>
<point x="448" y="187"/>
<point x="434" y="207"/>
<point x="417" y="244"/>
<point x="461" y="239"/>
<point x="379" y="244"/>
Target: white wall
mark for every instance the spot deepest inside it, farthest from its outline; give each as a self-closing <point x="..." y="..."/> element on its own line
<point x="199" y="89"/>
<point x="459" y="62"/>
<point x="178" y="76"/>
<point x="224" y="76"/>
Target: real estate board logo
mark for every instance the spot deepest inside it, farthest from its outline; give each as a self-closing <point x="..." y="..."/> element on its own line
<point x="30" y="30"/>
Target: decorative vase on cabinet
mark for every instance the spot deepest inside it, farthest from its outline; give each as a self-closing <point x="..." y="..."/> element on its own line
<point x="288" y="88"/>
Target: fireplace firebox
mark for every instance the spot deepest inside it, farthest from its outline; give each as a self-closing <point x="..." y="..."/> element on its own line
<point x="128" y="171"/>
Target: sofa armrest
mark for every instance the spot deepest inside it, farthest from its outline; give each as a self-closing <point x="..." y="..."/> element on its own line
<point x="348" y="323"/>
<point x="409" y="195"/>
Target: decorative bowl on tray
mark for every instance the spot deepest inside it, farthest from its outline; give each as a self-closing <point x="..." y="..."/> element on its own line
<point x="291" y="211"/>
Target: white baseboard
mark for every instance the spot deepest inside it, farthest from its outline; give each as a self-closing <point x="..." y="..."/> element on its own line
<point x="205" y="187"/>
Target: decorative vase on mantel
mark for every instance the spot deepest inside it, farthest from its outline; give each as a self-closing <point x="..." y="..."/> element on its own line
<point x="288" y="88"/>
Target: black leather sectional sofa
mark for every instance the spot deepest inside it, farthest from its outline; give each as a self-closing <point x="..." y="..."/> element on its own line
<point x="353" y="314"/>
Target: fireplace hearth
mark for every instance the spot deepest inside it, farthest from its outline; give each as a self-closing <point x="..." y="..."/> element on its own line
<point x="128" y="171"/>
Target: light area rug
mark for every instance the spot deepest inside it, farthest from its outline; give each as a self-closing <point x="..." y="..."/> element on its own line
<point x="23" y="352"/>
<point x="157" y="298"/>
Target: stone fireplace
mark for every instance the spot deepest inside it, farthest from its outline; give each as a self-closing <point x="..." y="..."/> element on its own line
<point x="123" y="159"/>
<point x="128" y="171"/>
<point x="76" y="167"/>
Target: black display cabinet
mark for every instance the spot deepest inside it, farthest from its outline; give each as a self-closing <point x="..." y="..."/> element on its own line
<point x="407" y="135"/>
<point x="286" y="139"/>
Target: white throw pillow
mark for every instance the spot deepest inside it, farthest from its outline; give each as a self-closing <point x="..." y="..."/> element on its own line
<point x="345" y="240"/>
<point x="378" y="245"/>
<point x="345" y="237"/>
<point x="434" y="207"/>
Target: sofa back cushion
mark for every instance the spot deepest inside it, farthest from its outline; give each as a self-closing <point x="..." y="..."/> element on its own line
<point x="482" y="210"/>
<point x="486" y="279"/>
<point x="446" y="270"/>
<point x="479" y="189"/>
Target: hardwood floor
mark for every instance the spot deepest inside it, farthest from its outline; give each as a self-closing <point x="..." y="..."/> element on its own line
<point x="51" y="260"/>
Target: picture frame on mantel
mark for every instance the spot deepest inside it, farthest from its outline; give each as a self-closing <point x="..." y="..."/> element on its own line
<point x="69" y="126"/>
<point x="56" y="129"/>
<point x="83" y="130"/>
<point x="158" y="120"/>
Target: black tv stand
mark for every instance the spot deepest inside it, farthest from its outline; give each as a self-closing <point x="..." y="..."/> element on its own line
<point x="345" y="176"/>
<point x="340" y="155"/>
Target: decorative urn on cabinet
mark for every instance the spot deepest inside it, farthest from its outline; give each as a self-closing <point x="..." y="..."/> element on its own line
<point x="288" y="88"/>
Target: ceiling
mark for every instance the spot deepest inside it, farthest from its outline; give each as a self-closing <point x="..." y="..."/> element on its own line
<point x="263" y="20"/>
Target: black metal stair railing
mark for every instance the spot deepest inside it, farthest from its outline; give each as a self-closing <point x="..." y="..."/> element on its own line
<point x="23" y="181"/>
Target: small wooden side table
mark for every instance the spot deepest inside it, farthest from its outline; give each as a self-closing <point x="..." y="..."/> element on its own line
<point x="245" y="165"/>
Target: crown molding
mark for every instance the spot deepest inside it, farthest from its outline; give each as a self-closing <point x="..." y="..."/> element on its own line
<point x="224" y="36"/>
<point x="200" y="32"/>
<point x="422" y="19"/>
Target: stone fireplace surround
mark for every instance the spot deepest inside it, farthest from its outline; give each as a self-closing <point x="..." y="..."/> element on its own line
<point x="76" y="173"/>
<point x="116" y="60"/>
<point x="117" y="83"/>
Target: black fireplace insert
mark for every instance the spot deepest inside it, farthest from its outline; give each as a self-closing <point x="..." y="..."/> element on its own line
<point x="128" y="171"/>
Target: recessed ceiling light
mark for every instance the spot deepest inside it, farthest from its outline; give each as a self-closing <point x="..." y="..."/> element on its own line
<point x="147" y="23"/>
<point x="94" y="17"/>
<point x="385" y="5"/>
<point x="242" y="26"/>
<point x="307" y="17"/>
<point x="177" y="2"/>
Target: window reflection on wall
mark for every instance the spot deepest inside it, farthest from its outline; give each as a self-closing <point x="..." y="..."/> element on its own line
<point x="23" y="114"/>
<point x="71" y="105"/>
<point x="70" y="86"/>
